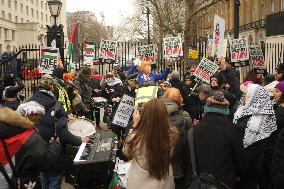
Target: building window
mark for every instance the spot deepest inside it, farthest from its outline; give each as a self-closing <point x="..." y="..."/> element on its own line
<point x="37" y="3"/>
<point x="282" y="5"/>
<point x="9" y="3"/>
<point x="0" y="45"/>
<point x="2" y="2"/>
<point x="0" y="35"/>
<point x="32" y="10"/>
<point x="41" y="4"/>
<point x="36" y="14"/>
<point x="22" y="20"/>
<point x="16" y="19"/>
<point x="9" y="16"/>
<point x="46" y="18"/>
<point x="6" y="34"/>
<point x="28" y="21"/>
<point x="22" y="8"/>
<point x="13" y="35"/>
<point x="3" y="14"/>
<point x="32" y="2"/>
<point x="46" y="6"/>
<point x="41" y="16"/>
<point x="272" y="6"/>
<point x="27" y="10"/>
<point x="253" y="15"/>
<point x="16" y="5"/>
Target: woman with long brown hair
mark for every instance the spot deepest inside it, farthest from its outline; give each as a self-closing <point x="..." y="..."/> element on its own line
<point x="149" y="147"/>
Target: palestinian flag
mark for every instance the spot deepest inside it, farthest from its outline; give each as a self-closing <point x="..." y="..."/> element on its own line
<point x="49" y="53"/>
<point x="72" y="44"/>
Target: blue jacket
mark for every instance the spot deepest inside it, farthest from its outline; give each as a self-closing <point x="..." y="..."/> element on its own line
<point x="153" y="76"/>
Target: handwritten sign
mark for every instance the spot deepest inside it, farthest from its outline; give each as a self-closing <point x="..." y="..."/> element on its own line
<point x="146" y="53"/>
<point x="172" y="47"/>
<point x="89" y="53"/>
<point x="256" y="56"/>
<point x="239" y="52"/>
<point x="205" y="70"/>
<point x="108" y="49"/>
<point x="48" y="59"/>
<point x="218" y="36"/>
<point x="124" y="111"/>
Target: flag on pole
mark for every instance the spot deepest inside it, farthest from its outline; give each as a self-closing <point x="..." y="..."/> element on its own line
<point x="72" y="44"/>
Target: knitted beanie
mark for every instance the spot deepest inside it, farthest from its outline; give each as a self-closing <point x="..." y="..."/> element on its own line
<point x="217" y="103"/>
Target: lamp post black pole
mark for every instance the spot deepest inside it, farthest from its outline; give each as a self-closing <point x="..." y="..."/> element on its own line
<point x="236" y="18"/>
<point x="148" y="24"/>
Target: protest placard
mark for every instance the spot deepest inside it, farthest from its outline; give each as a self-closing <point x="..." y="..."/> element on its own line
<point x="108" y="49"/>
<point x="89" y="53"/>
<point x="124" y="111"/>
<point x="146" y="53"/>
<point x="205" y="70"/>
<point x="256" y="57"/>
<point x="239" y="52"/>
<point x="218" y="36"/>
<point x="172" y="47"/>
<point x="48" y="59"/>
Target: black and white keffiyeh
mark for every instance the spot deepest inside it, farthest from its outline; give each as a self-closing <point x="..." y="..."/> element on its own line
<point x="262" y="121"/>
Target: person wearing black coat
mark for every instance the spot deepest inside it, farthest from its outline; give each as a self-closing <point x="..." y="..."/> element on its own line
<point x="277" y="168"/>
<point x="29" y="153"/>
<point x="176" y="82"/>
<point x="12" y="86"/>
<point x="54" y="124"/>
<point x="217" y="142"/>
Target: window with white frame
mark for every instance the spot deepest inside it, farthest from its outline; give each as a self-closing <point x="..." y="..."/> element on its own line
<point x="272" y="6"/>
<point x="282" y="5"/>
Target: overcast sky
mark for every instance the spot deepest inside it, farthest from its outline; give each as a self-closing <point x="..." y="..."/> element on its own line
<point x="112" y="9"/>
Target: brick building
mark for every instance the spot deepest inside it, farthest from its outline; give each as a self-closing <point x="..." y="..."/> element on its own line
<point x="253" y="14"/>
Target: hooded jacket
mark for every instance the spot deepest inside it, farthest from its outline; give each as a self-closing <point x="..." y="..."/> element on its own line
<point x="47" y="127"/>
<point x="26" y="148"/>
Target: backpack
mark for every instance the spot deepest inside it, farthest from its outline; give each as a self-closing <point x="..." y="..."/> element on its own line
<point x="204" y="180"/>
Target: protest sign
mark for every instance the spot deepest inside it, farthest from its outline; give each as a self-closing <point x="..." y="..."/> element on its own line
<point x="108" y="49"/>
<point x="256" y="57"/>
<point x="89" y="53"/>
<point x="218" y="36"/>
<point x="239" y="52"/>
<point x="146" y="53"/>
<point x="172" y="47"/>
<point x="48" y="59"/>
<point x="124" y="111"/>
<point x="205" y="70"/>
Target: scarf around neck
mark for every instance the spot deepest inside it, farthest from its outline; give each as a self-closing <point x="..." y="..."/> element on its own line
<point x="259" y="107"/>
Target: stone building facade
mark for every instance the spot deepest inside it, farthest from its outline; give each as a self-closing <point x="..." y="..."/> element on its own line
<point x="252" y="17"/>
<point x="24" y="22"/>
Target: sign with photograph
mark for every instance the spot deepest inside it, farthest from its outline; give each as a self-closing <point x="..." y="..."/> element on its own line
<point x="172" y="47"/>
<point x="218" y="36"/>
<point x="48" y="59"/>
<point x="108" y="49"/>
<point x="146" y="53"/>
<point x="124" y="111"/>
<point x="205" y="70"/>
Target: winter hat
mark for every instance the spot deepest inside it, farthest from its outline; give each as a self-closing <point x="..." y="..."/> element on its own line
<point x="217" y="103"/>
<point x="280" y="87"/>
<point x="217" y="76"/>
<point x="175" y="74"/>
<point x="86" y="71"/>
<point x="29" y="108"/>
<point x="280" y="68"/>
<point x="58" y="72"/>
<point x="45" y="82"/>
<point x="9" y="80"/>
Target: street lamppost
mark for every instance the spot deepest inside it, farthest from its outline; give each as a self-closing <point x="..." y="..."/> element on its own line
<point x="237" y="4"/>
<point x="148" y="23"/>
<point x="55" y="32"/>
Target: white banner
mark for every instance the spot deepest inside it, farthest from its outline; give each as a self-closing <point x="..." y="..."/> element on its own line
<point x="124" y="111"/>
<point x="218" y="36"/>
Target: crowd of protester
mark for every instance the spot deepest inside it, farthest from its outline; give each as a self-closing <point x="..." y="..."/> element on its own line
<point x="236" y="127"/>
